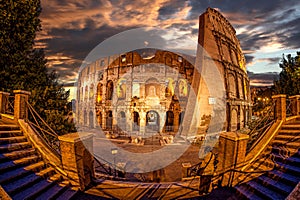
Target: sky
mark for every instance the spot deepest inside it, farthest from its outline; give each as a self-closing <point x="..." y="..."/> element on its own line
<point x="267" y="29"/>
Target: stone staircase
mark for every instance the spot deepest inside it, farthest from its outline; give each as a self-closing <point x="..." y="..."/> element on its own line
<point x="281" y="163"/>
<point x="24" y="175"/>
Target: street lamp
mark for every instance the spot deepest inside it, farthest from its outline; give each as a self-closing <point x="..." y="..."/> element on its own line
<point x="114" y="151"/>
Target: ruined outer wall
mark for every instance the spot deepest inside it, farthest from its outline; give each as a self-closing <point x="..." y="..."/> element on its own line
<point x="218" y="38"/>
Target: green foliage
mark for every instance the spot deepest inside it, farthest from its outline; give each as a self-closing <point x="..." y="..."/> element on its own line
<point x="289" y="77"/>
<point x="24" y="67"/>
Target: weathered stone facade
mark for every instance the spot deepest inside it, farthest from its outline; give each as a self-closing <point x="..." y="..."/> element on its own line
<point x="139" y="94"/>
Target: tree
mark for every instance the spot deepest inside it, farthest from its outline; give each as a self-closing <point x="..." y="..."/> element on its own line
<point x="24" y="67"/>
<point x="289" y="77"/>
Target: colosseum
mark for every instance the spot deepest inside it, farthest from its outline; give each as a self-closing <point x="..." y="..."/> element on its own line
<point x="148" y="90"/>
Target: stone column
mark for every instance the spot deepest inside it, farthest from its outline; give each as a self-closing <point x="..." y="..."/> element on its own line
<point x="20" y="106"/>
<point x="142" y="123"/>
<point x="232" y="152"/>
<point x="77" y="158"/>
<point x="280" y="106"/>
<point x="295" y="103"/>
<point x="3" y="101"/>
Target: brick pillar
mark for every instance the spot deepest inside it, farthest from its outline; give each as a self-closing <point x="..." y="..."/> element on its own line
<point x="3" y="101"/>
<point x="232" y="152"/>
<point x="280" y="106"/>
<point x="295" y="103"/>
<point x="77" y="158"/>
<point x="20" y="107"/>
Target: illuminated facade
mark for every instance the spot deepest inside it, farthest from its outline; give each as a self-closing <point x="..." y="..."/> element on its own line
<point x="140" y="94"/>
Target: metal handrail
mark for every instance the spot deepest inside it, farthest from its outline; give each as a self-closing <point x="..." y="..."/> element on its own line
<point x="49" y="137"/>
<point x="261" y="128"/>
<point x="9" y="105"/>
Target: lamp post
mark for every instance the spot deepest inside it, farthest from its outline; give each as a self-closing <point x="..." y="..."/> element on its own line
<point x="114" y="151"/>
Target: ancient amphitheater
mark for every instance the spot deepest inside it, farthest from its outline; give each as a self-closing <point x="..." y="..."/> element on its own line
<point x="148" y="89"/>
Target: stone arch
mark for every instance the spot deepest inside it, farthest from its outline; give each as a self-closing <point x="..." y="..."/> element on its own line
<point x="100" y="119"/>
<point x="122" y="120"/>
<point x="109" y="120"/>
<point x="109" y="90"/>
<point x="152" y="87"/>
<point x="91" y="91"/>
<point x="169" y="124"/>
<point x="232" y="86"/>
<point x="99" y="92"/>
<point x="121" y="88"/>
<point x="136" y="121"/>
<point x="86" y="92"/>
<point x="152" y="121"/>
<point x="234" y="120"/>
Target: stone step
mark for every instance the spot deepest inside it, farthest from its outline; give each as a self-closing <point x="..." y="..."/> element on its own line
<point x="20" y="172"/>
<point x="263" y="191"/>
<point x="293" y="160"/>
<point x="10" y="140"/>
<point x="12" y="133"/>
<point x="292" y="126"/>
<point x="67" y="194"/>
<point x="289" y="132"/>
<point x="13" y="147"/>
<point x="245" y="193"/>
<point x="9" y="165"/>
<point x="21" y="184"/>
<point x="288" y="144"/>
<point x="9" y="127"/>
<point x="283" y="151"/>
<point x="283" y="177"/>
<point x="16" y="154"/>
<point x="35" y="190"/>
<point x="47" y="172"/>
<point x="288" y="168"/>
<point x="278" y="186"/>
<point x="52" y="193"/>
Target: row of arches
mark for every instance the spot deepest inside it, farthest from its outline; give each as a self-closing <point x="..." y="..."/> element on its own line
<point x="153" y="121"/>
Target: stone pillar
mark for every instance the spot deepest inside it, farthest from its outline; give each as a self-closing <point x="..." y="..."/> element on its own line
<point x="142" y="123"/>
<point x="77" y="158"/>
<point x="232" y="152"/>
<point x="295" y="104"/>
<point x="185" y="170"/>
<point x="280" y="106"/>
<point x="3" y="101"/>
<point x="20" y="106"/>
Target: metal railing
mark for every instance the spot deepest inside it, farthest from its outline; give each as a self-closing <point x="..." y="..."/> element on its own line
<point x="261" y="128"/>
<point x="9" y="105"/>
<point x="48" y="136"/>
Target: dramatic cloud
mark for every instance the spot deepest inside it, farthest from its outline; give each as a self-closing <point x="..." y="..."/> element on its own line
<point x="262" y="79"/>
<point x="72" y="28"/>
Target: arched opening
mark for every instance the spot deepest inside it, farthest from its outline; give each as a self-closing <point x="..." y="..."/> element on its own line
<point x="169" y="121"/>
<point x="232" y="86"/>
<point x="136" y="121"/>
<point x="121" y="89"/>
<point x="183" y="88"/>
<point x="109" y="120"/>
<point x="109" y="90"/>
<point x="152" y="121"/>
<point x="86" y="92"/>
<point x="180" y="118"/>
<point x="91" y="119"/>
<point x="91" y="91"/>
<point x="122" y="121"/>
<point x="99" y="92"/>
<point x="100" y="119"/>
<point x="233" y="120"/>
<point x="152" y="88"/>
